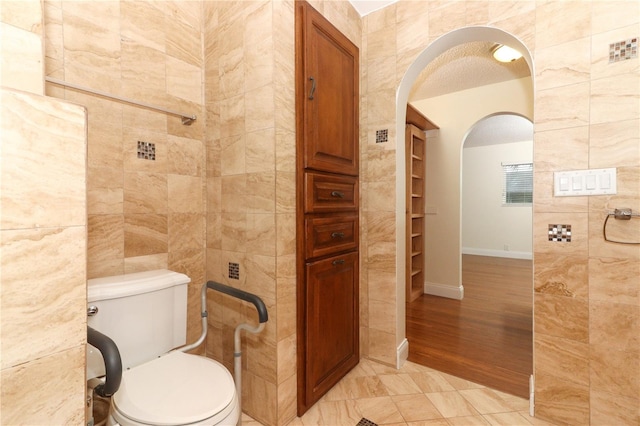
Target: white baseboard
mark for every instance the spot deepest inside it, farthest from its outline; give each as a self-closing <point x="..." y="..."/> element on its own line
<point x="402" y="353"/>
<point x="497" y="253"/>
<point x="443" y="290"/>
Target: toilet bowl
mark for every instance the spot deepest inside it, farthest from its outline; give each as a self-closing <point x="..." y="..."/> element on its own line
<point x="145" y="315"/>
<point x="176" y="389"/>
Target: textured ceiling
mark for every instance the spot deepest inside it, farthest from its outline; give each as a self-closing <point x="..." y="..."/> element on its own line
<point x="499" y="129"/>
<point x="464" y="67"/>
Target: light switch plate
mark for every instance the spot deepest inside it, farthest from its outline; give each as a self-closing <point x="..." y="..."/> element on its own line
<point x="576" y="183"/>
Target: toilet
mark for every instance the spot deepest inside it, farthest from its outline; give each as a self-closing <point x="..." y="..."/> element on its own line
<point x="145" y="314"/>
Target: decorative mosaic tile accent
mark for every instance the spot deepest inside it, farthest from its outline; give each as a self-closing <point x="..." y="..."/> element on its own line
<point x="146" y="150"/>
<point x="234" y="271"/>
<point x="366" y="422"/>
<point x="622" y="50"/>
<point x="382" y="136"/>
<point x="560" y="233"/>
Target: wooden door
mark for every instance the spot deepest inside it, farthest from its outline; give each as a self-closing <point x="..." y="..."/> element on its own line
<point x="327" y="219"/>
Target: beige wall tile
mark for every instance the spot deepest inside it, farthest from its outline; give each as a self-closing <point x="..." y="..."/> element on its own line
<point x="150" y="85"/>
<point x="233" y="155"/>
<point x="105" y="238"/>
<point x="260" y="398"/>
<point x="615" y="98"/>
<point x="26" y="15"/>
<point x="97" y="63"/>
<point x="614" y="326"/>
<point x="52" y="189"/>
<point x="258" y="38"/>
<point x="285" y="234"/>
<point x="563" y="64"/>
<point x="184" y="80"/>
<point x="606" y="374"/>
<point x="261" y="190"/>
<point x="285" y="150"/>
<point x="614" y="280"/>
<point x="43" y="277"/>
<point x="614" y="409"/>
<point x="287" y="400"/>
<point x="382" y="346"/>
<point x="285" y="190"/>
<point x="614" y="144"/>
<point x="146" y="263"/>
<point x="259" y="108"/>
<point x="562" y="22"/>
<point x="607" y="15"/>
<point x="560" y="316"/>
<point x="185" y="156"/>
<point x="183" y="41"/>
<point x="446" y="16"/>
<point x="551" y="110"/>
<point x="411" y="34"/>
<point x="382" y="316"/>
<point x="145" y="192"/>
<point x="261" y="234"/>
<point x="186" y="231"/>
<point x="260" y="151"/>
<point x="21" y="61"/>
<point x="234" y="228"/>
<point x="562" y="276"/>
<point x="185" y="194"/>
<point x="232" y="113"/>
<point x="561" y="401"/>
<point x="105" y="191"/>
<point x="143" y="23"/>
<point x="145" y="234"/>
<point x="26" y="390"/>
<point x="287" y="352"/>
<point x="563" y="359"/>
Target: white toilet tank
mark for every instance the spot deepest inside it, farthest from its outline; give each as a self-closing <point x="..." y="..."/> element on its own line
<point x="144" y="313"/>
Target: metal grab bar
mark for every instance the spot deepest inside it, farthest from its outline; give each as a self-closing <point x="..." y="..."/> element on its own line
<point x="112" y="362"/>
<point x="263" y="317"/>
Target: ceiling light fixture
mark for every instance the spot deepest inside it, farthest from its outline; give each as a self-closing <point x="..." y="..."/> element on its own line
<point x="505" y="53"/>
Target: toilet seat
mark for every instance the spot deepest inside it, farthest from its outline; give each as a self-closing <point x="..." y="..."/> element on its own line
<point x="176" y="389"/>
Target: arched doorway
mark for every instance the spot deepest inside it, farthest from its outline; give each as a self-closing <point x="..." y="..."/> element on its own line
<point x="439" y="46"/>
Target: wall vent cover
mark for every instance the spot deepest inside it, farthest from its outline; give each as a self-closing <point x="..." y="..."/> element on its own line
<point x="234" y="271"/>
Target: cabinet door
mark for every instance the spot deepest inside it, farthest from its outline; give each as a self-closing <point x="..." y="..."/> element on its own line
<point x="332" y="322"/>
<point x="331" y="98"/>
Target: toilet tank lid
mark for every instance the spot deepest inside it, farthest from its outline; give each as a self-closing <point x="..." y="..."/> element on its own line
<point x="130" y="284"/>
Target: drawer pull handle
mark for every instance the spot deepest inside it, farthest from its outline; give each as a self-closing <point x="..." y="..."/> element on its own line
<point x="313" y="88"/>
<point x="337" y="235"/>
<point x="337" y="194"/>
<point x="338" y="262"/>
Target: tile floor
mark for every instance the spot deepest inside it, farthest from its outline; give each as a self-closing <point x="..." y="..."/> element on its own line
<point x="412" y="396"/>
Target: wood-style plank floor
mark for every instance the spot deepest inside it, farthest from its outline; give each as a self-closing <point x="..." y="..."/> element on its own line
<point x="485" y="338"/>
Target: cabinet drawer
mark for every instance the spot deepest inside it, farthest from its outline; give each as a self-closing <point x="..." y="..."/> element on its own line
<point x="329" y="193"/>
<point x="326" y="235"/>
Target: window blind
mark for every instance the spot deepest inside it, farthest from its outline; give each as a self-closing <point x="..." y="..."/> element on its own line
<point x="518" y="183"/>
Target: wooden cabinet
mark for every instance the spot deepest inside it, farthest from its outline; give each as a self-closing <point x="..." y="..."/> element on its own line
<point x="327" y="222"/>
<point x="416" y="149"/>
<point x="332" y="335"/>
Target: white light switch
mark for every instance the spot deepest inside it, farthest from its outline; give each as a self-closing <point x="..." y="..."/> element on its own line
<point x="584" y="182"/>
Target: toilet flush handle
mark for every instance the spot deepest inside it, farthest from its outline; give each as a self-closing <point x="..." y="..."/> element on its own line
<point x="92" y="310"/>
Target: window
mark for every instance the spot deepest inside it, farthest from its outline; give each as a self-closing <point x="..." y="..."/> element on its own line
<point x="518" y="183"/>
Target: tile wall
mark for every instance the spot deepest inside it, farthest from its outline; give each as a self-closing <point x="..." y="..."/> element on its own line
<point x="43" y="230"/>
<point x="586" y="116"/>
<point x="142" y="214"/>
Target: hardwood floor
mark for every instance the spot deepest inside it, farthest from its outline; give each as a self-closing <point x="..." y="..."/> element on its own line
<point x="486" y="337"/>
